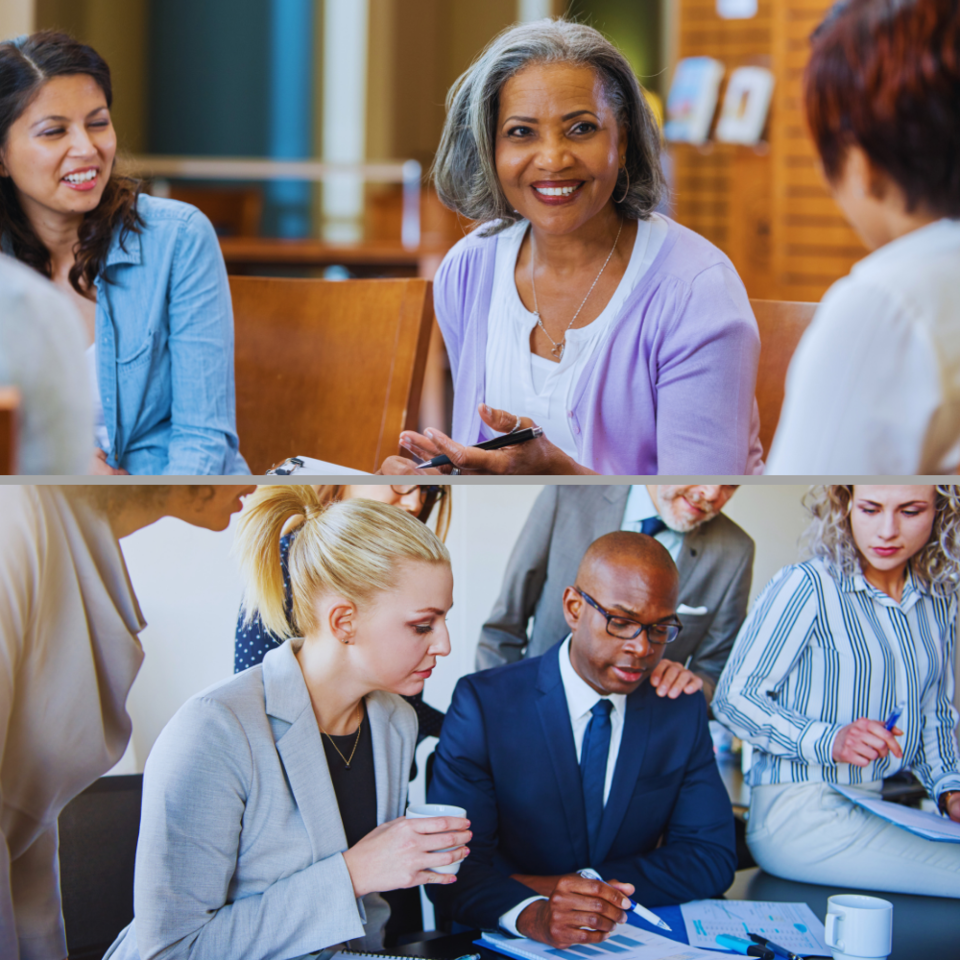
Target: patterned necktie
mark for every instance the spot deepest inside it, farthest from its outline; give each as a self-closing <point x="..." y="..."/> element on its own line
<point x="652" y="526"/>
<point x="593" y="767"/>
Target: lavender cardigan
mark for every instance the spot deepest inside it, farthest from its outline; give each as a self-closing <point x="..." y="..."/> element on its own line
<point x="670" y="390"/>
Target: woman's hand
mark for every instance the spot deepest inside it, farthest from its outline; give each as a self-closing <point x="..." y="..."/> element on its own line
<point x="538" y="456"/>
<point x="397" y="854"/>
<point x="953" y="808"/>
<point x="100" y="468"/>
<point x="671" y="679"/>
<point x="864" y="741"/>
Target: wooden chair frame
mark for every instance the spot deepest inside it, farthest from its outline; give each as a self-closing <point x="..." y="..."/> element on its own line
<point x="328" y="369"/>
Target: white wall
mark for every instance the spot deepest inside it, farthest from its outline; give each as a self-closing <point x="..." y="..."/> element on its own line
<point x="189" y="589"/>
<point x="188" y="584"/>
<point x="16" y="17"/>
<point x="773" y="515"/>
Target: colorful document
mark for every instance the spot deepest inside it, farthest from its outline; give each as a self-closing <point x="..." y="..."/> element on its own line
<point x="792" y="925"/>
<point x="627" y="943"/>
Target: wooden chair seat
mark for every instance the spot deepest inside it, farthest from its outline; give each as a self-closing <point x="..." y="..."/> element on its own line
<point x="781" y="324"/>
<point x="9" y="409"/>
<point x="328" y="369"/>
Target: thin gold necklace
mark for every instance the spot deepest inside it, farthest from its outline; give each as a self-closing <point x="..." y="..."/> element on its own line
<point x="356" y="743"/>
<point x="558" y="348"/>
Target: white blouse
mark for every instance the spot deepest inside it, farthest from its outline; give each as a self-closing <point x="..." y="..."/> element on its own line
<point x="521" y="382"/>
<point x="100" y="435"/>
<point x="68" y="656"/>
<point x="874" y="387"/>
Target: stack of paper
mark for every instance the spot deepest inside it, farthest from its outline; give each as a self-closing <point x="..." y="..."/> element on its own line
<point x="791" y="925"/>
<point x="929" y="825"/>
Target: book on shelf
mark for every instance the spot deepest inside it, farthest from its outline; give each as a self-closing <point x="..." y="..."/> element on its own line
<point x="746" y="105"/>
<point x="693" y="99"/>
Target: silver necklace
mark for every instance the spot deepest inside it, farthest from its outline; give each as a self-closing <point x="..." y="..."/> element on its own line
<point x="558" y="348"/>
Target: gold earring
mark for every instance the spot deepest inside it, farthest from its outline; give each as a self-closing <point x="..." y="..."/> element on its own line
<point x="627" y="188"/>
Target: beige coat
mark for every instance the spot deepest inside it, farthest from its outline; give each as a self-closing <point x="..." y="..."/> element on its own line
<point x="68" y="657"/>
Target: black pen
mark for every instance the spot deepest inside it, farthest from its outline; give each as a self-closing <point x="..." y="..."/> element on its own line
<point x="775" y="947"/>
<point x="507" y="440"/>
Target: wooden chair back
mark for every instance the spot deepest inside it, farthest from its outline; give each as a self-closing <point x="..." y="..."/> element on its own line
<point x="440" y="228"/>
<point x="234" y="212"/>
<point x="781" y="324"/>
<point x="328" y="369"/>
<point x="9" y="411"/>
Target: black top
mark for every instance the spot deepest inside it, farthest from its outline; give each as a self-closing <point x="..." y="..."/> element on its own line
<point x="254" y="640"/>
<point x="356" y="787"/>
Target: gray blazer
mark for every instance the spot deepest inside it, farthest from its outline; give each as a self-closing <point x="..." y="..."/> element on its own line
<point x="241" y="843"/>
<point x="715" y="563"/>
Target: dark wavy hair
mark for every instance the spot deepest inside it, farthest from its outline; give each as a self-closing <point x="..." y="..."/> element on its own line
<point x="26" y="64"/>
<point x="884" y="75"/>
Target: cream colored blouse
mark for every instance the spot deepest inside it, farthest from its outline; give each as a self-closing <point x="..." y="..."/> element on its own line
<point x="69" y="654"/>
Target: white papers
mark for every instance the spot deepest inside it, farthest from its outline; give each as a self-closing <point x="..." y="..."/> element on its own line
<point x="929" y="825"/>
<point x="627" y="943"/>
<point x="316" y="468"/>
<point x="791" y="925"/>
<point x="737" y="9"/>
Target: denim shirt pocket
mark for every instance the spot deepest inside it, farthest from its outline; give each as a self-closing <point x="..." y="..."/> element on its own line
<point x="140" y="355"/>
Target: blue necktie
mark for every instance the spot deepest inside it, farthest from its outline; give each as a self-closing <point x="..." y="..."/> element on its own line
<point x="652" y="526"/>
<point x="593" y="767"/>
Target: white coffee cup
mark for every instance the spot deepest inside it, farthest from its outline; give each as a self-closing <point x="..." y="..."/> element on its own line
<point x="421" y="811"/>
<point x="858" y="927"/>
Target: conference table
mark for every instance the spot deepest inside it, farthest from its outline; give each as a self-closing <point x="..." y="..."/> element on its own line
<point x="924" y="928"/>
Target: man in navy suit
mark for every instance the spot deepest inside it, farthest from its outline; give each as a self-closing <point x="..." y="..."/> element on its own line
<point x="571" y="760"/>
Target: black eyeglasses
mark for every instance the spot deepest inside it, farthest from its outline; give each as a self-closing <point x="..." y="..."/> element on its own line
<point x="424" y="490"/>
<point x="623" y="628"/>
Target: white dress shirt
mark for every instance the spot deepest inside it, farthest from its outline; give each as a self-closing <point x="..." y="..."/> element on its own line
<point x="519" y="381"/>
<point x="581" y="698"/>
<point x="639" y="508"/>
<point x="874" y="387"/>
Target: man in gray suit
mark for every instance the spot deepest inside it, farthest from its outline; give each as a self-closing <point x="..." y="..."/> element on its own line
<point x="713" y="554"/>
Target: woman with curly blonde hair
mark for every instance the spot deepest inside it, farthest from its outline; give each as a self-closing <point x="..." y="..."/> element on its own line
<point x="842" y="675"/>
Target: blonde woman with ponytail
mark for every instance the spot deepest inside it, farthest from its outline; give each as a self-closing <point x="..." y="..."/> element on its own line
<point x="272" y="802"/>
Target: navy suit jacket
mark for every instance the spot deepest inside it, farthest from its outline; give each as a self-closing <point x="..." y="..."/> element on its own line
<point x="507" y="755"/>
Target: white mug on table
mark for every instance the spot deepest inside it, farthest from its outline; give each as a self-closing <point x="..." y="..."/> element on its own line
<point x="858" y="927"/>
<point x="422" y="810"/>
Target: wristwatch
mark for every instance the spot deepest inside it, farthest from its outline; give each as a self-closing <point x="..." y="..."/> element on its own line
<point x="943" y="799"/>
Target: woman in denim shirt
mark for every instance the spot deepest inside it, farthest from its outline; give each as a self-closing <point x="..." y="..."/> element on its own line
<point x="146" y="274"/>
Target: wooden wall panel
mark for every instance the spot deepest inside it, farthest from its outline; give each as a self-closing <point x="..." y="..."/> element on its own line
<point x="767" y="207"/>
<point x="813" y="245"/>
<point x="723" y="191"/>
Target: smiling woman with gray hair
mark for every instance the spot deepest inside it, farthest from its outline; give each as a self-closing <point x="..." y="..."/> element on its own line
<point x="576" y="307"/>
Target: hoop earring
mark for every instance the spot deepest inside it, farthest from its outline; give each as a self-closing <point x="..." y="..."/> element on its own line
<point x="627" y="190"/>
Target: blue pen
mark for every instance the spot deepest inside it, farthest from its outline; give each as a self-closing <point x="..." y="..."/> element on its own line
<point x="775" y="947"/>
<point x="647" y="915"/>
<point x="747" y="947"/>
<point x="894" y="717"/>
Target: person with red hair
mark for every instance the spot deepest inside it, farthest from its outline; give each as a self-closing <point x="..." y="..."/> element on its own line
<point x="874" y="387"/>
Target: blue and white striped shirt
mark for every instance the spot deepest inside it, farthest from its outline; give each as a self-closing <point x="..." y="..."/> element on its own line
<point x="817" y="653"/>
